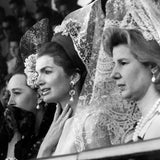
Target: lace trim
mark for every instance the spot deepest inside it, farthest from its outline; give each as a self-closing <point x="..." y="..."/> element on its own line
<point x="136" y="17"/>
<point x="99" y="92"/>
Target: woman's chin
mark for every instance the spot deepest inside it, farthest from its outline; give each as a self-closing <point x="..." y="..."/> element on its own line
<point x="48" y="99"/>
<point x="128" y="97"/>
<point x="125" y="95"/>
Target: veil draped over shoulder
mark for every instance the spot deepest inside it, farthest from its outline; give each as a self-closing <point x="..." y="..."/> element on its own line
<point x="102" y="115"/>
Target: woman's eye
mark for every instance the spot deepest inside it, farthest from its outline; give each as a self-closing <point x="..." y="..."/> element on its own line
<point x="123" y="63"/>
<point x="47" y="72"/>
<point x="16" y="93"/>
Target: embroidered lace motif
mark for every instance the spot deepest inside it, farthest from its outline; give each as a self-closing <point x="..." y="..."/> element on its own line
<point x="37" y="35"/>
<point x="132" y="14"/>
<point x="30" y="44"/>
<point x="99" y="95"/>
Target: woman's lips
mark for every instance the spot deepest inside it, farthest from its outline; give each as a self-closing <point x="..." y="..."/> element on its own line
<point x="122" y="87"/>
<point x="45" y="91"/>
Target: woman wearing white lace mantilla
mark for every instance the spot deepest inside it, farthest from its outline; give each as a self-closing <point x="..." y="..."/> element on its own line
<point x="100" y="92"/>
<point x="134" y="44"/>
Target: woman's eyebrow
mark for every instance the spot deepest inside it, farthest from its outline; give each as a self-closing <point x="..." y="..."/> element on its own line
<point x="16" y="89"/>
<point x="43" y="68"/>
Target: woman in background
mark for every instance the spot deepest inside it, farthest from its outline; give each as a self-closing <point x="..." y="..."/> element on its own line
<point x="27" y="117"/>
<point x="26" y="125"/>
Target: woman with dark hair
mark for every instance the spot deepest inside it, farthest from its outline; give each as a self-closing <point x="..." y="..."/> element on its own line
<point x="61" y="74"/>
<point x="27" y="117"/>
<point x="25" y="124"/>
<point x="61" y="77"/>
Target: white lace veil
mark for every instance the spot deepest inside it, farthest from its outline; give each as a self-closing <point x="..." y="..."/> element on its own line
<point x="99" y="93"/>
<point x="142" y="15"/>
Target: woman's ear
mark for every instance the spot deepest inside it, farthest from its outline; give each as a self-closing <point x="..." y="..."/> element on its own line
<point x="75" y="77"/>
<point x="154" y="68"/>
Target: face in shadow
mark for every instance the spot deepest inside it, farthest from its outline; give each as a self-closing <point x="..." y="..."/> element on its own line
<point x="21" y="95"/>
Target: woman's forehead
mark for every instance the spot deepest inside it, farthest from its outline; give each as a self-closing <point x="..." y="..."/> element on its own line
<point x="17" y="81"/>
<point x="44" y="61"/>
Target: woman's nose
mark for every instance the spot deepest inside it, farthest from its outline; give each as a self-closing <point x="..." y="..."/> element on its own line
<point x="39" y="81"/>
<point x="115" y="74"/>
<point x="11" y="100"/>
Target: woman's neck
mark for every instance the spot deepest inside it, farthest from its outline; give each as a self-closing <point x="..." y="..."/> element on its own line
<point x="146" y="103"/>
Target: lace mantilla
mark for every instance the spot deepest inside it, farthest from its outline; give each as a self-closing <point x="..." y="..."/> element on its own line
<point x="132" y="14"/>
<point x="30" y="44"/>
<point x="72" y="28"/>
<point x="68" y="27"/>
<point x="99" y="93"/>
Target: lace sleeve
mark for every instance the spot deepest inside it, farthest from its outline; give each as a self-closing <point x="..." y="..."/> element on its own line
<point x="95" y="131"/>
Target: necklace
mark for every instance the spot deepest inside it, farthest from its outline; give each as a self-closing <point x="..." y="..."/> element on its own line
<point x="143" y="120"/>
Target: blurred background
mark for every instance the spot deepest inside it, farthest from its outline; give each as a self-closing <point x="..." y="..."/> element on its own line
<point x="32" y="7"/>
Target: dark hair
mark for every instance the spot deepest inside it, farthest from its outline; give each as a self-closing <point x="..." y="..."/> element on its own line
<point x="2" y="12"/>
<point x="62" y="59"/>
<point x="3" y="71"/>
<point x="17" y="2"/>
<point x="54" y="17"/>
<point x="19" y="69"/>
<point x="15" y="36"/>
<point x="145" y="51"/>
<point x="12" y="22"/>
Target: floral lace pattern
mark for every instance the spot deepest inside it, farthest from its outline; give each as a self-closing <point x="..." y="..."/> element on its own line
<point x="30" y="44"/>
<point x="32" y="40"/>
<point x="30" y="67"/>
<point x="131" y="14"/>
<point x="100" y="102"/>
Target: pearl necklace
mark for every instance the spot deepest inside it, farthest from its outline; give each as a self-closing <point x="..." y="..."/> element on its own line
<point x="143" y="120"/>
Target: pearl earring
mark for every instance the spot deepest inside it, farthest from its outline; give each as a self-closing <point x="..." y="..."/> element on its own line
<point x="153" y="79"/>
<point x="72" y="91"/>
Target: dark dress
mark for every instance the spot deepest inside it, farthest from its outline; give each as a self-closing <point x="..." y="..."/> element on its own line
<point x="29" y="144"/>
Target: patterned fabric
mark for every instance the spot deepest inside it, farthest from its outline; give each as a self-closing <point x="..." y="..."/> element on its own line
<point x="100" y="102"/>
<point x="141" y="15"/>
<point x="37" y="35"/>
<point x="19" y="119"/>
<point x="30" y="142"/>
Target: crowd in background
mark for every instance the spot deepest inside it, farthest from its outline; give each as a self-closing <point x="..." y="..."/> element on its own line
<point x="12" y="28"/>
<point x="70" y="89"/>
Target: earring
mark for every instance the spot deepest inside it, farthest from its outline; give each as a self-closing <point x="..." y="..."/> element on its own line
<point x="153" y="79"/>
<point x="72" y="92"/>
<point x="38" y="107"/>
<point x="154" y="70"/>
<point x="39" y="101"/>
